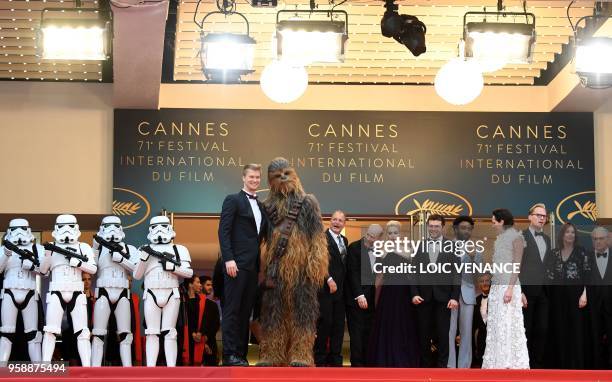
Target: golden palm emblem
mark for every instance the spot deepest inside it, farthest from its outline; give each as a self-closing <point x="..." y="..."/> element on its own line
<point x="125" y="208"/>
<point x="588" y="210"/>
<point x="436" y="208"/>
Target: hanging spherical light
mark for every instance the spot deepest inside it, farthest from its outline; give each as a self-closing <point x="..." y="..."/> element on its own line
<point x="459" y="82"/>
<point x="283" y="83"/>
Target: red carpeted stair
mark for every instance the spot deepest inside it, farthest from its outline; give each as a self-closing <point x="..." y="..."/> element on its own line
<point x="278" y="374"/>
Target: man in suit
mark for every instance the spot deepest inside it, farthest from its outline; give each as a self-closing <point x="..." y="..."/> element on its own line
<point x="463" y="227"/>
<point x="535" y="294"/>
<point x="599" y="294"/>
<point x="360" y="292"/>
<point x="242" y="227"/>
<point x="435" y="294"/>
<point x="330" y="326"/>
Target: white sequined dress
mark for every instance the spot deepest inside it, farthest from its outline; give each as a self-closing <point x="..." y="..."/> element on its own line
<point x="506" y="345"/>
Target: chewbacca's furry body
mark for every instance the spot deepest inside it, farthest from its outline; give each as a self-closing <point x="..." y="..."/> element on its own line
<point x="290" y="311"/>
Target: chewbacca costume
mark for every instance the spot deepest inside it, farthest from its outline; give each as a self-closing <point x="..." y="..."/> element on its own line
<point x="290" y="307"/>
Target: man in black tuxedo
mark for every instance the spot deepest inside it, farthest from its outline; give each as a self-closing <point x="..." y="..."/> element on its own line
<point x="360" y="292"/>
<point x="330" y="326"/>
<point x="242" y="227"/>
<point x="435" y="293"/>
<point x="599" y="295"/>
<point x="535" y="293"/>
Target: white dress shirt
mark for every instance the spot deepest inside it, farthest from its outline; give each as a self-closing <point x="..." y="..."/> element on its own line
<point x="602" y="262"/>
<point x="339" y="241"/>
<point x="255" y="208"/>
<point x="540" y="243"/>
<point x="434" y="248"/>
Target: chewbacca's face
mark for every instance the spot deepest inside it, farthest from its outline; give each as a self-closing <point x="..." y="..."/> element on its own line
<point x="284" y="180"/>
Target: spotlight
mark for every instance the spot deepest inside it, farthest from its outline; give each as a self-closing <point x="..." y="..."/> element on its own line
<point x="225" y="56"/>
<point x="74" y="38"/>
<point x="593" y="56"/>
<point x="593" y="61"/>
<point x="405" y="29"/>
<point x="495" y="42"/>
<point x="302" y="41"/>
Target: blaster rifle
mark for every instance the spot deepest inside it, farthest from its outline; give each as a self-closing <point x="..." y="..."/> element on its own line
<point x="68" y="252"/>
<point x="111" y="246"/>
<point x="24" y="254"/>
<point x="165" y="256"/>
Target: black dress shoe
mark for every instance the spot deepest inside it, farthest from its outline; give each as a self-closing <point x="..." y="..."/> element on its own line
<point x="232" y="360"/>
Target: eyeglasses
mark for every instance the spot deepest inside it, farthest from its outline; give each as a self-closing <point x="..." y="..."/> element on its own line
<point x="539" y="216"/>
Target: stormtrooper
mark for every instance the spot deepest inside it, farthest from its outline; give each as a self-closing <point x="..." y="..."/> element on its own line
<point x="65" y="260"/>
<point x="115" y="261"/>
<point x="20" y="260"/>
<point x="162" y="263"/>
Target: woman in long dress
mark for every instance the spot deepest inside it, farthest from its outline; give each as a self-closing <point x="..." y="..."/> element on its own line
<point x="567" y="270"/>
<point x="394" y="338"/>
<point x="506" y="345"/>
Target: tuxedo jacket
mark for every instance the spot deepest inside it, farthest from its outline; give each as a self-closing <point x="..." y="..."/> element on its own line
<point x="439" y="287"/>
<point x="238" y="237"/>
<point x="533" y="269"/>
<point x="337" y="267"/>
<point x="360" y="278"/>
<point x="599" y="289"/>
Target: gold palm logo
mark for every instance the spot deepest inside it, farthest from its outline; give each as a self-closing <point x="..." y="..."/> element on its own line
<point x="432" y="203"/>
<point x="436" y="208"/>
<point x="137" y="210"/>
<point x="571" y="207"/>
<point x="587" y="210"/>
<point x="125" y="208"/>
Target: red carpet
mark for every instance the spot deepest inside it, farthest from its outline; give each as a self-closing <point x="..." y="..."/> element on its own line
<point x="224" y="374"/>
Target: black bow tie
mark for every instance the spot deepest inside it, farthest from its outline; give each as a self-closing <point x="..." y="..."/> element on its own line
<point x="602" y="254"/>
<point x="251" y="196"/>
<point x="539" y="234"/>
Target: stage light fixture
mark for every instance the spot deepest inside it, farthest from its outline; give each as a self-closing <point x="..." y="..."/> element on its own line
<point x="405" y="29"/>
<point x="593" y="61"/>
<point x="78" y="38"/>
<point x="499" y="43"/>
<point x="225" y="57"/>
<point x="304" y="41"/>
<point x="593" y="54"/>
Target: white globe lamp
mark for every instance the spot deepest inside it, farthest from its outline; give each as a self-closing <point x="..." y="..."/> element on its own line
<point x="459" y="82"/>
<point x="282" y="82"/>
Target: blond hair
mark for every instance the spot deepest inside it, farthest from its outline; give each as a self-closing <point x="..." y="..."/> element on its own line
<point x="537" y="205"/>
<point x="252" y="167"/>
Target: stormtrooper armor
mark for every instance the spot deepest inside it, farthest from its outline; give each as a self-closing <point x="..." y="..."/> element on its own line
<point x="20" y="265"/>
<point x="115" y="260"/>
<point x="64" y="262"/>
<point x="162" y="263"/>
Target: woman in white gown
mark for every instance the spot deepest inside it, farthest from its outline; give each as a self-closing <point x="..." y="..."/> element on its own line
<point x="506" y="344"/>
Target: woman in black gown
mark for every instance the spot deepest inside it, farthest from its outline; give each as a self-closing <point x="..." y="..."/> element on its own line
<point x="394" y="339"/>
<point x="566" y="270"/>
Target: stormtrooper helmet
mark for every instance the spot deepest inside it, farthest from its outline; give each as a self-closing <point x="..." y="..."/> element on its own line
<point x="19" y="232"/>
<point x="111" y="229"/>
<point x="66" y="229"/>
<point x="160" y="230"/>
